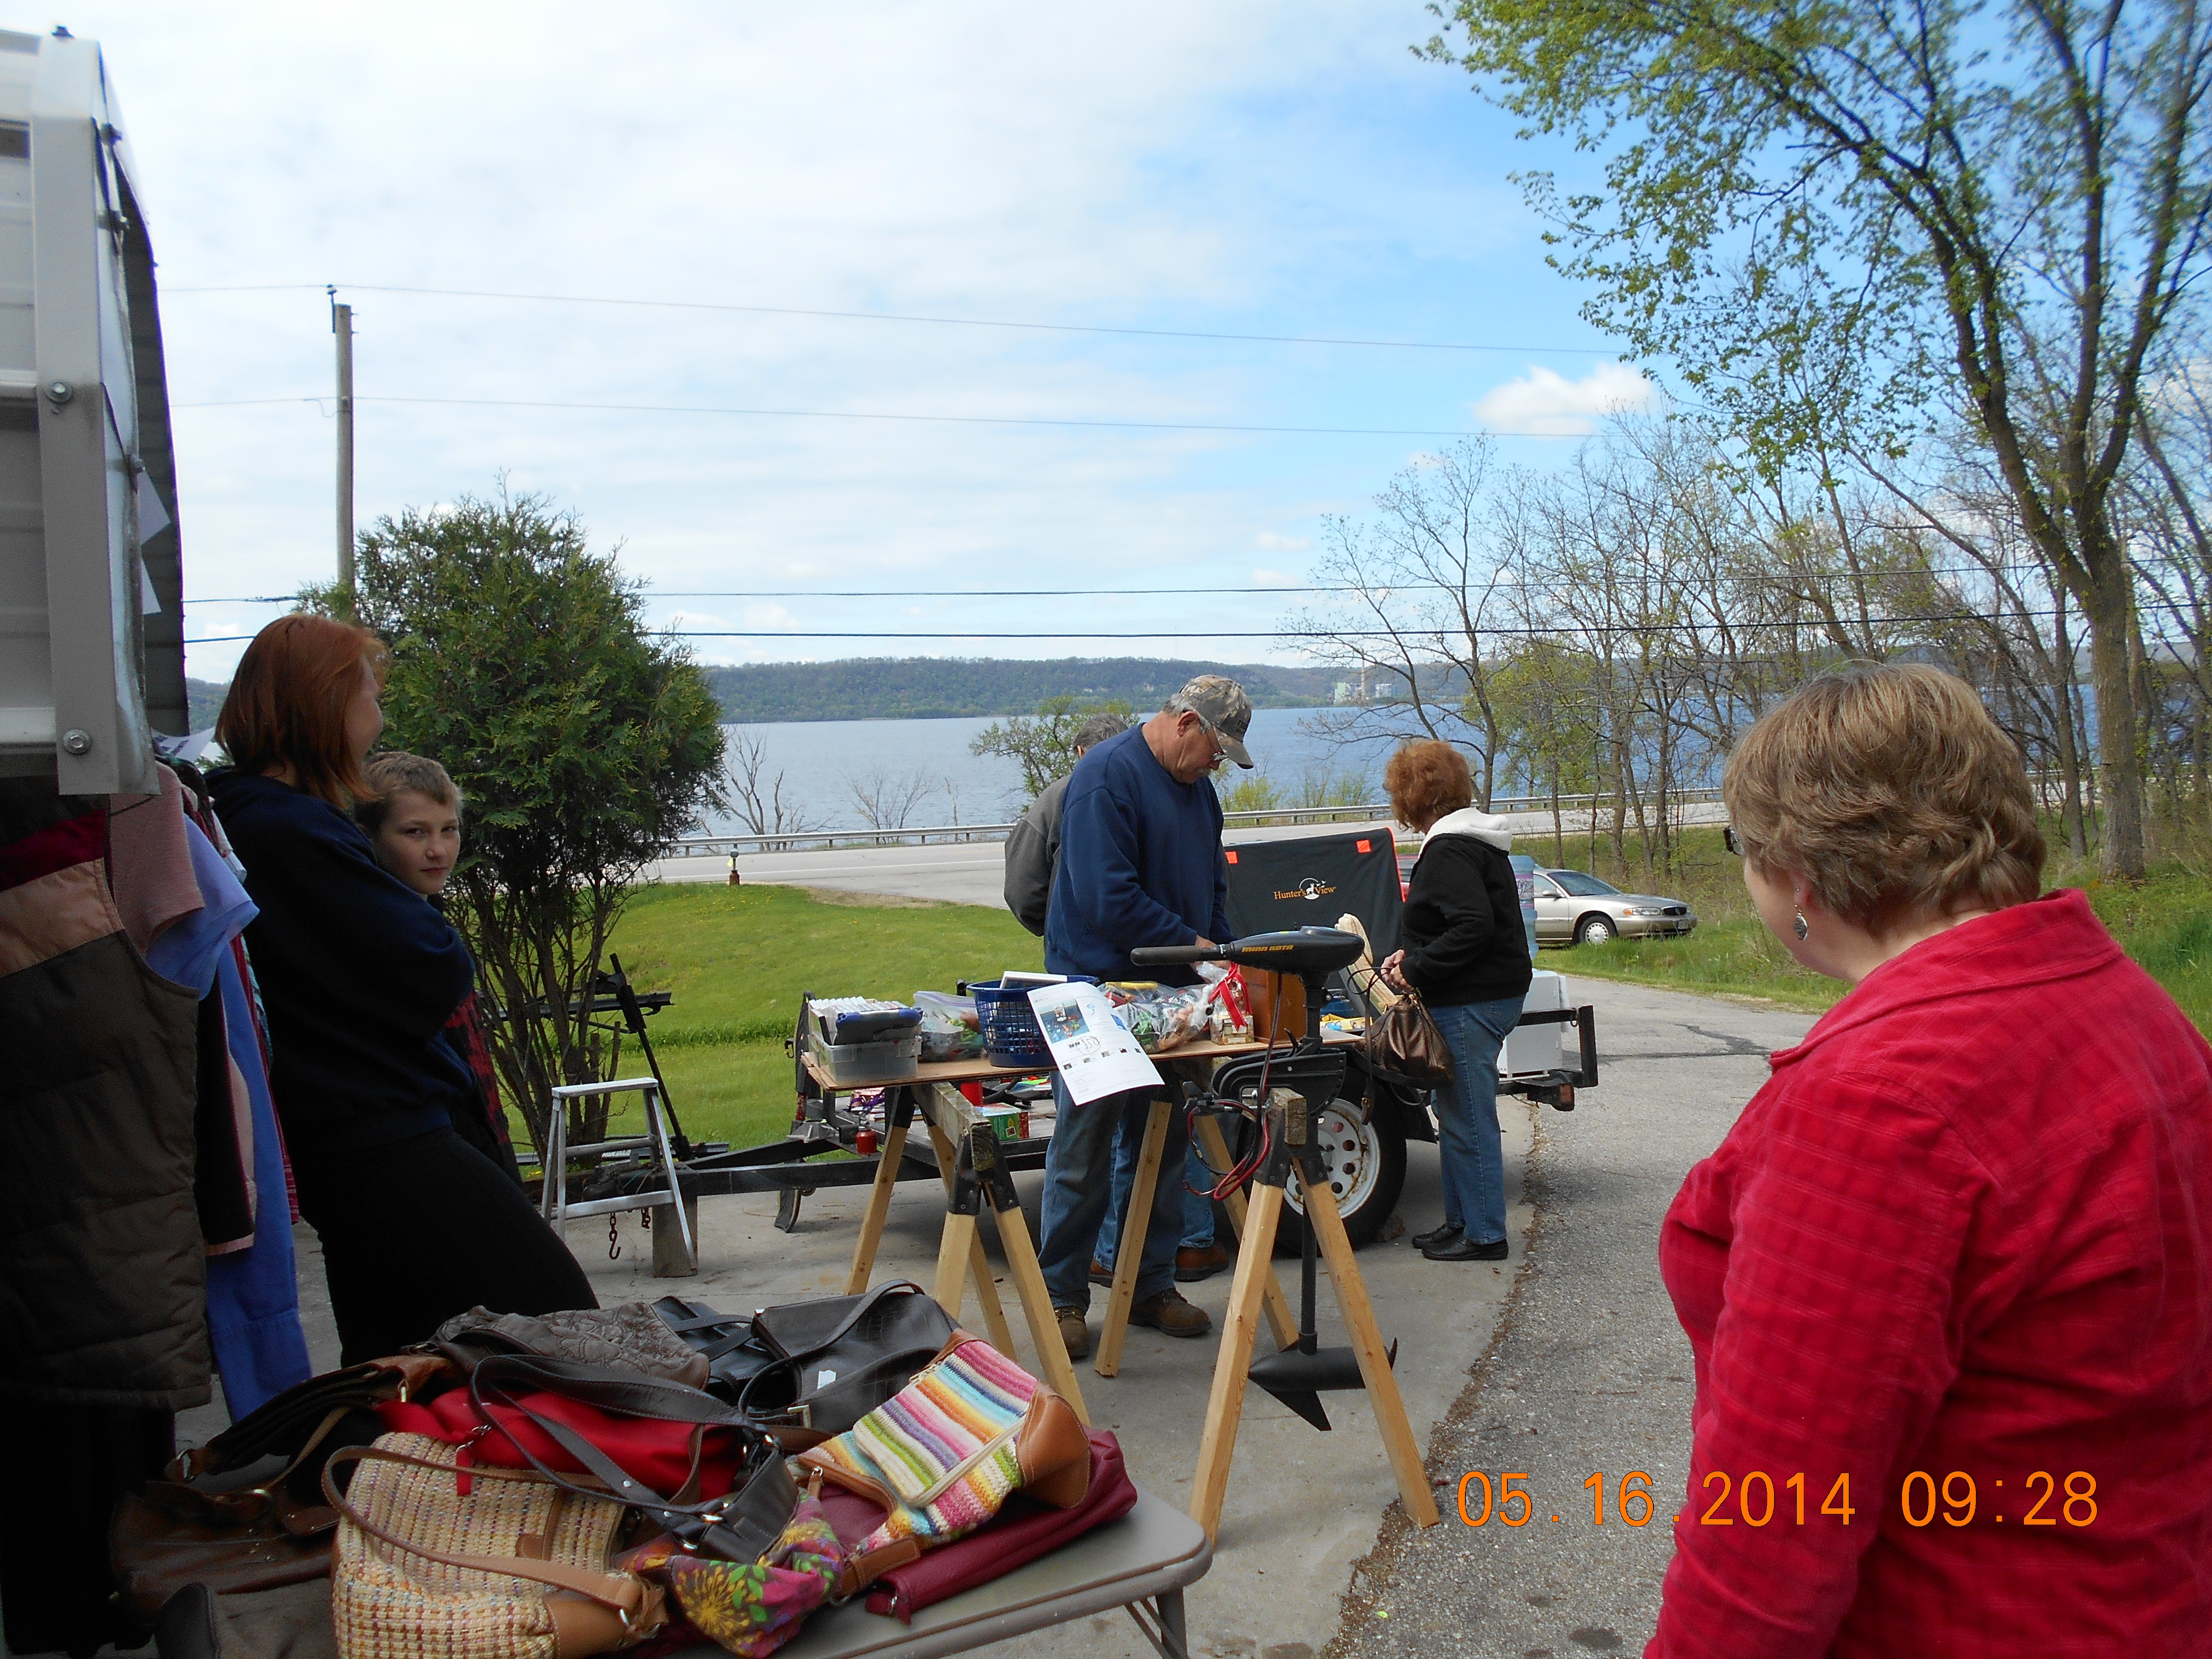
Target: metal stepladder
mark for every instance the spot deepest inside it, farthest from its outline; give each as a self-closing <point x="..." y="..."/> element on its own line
<point x="554" y="1203"/>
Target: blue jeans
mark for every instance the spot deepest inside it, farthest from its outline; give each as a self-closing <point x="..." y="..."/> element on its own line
<point x="1078" y="1182"/>
<point x="1197" y="1208"/>
<point x="1472" y="1157"/>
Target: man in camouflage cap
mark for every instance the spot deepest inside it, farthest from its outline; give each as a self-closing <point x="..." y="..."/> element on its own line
<point x="1222" y="708"/>
<point x="1140" y="864"/>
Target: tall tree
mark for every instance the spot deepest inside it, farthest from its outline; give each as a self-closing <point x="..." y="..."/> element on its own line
<point x="1043" y="747"/>
<point x="1411" y="597"/>
<point x="583" y="745"/>
<point x="1907" y="208"/>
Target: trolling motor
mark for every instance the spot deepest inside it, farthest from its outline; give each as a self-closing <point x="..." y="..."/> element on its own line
<point x="1305" y="1077"/>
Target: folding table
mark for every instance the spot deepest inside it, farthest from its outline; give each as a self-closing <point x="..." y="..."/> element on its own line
<point x="1141" y="1562"/>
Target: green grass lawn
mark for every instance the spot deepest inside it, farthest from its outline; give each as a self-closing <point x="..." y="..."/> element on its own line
<point x="1733" y="957"/>
<point x="738" y="959"/>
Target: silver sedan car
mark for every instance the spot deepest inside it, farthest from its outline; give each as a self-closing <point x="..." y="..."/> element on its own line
<point x="1574" y="909"/>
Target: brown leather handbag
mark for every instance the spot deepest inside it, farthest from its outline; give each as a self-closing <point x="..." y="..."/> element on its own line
<point x="1404" y="1045"/>
<point x="213" y="1519"/>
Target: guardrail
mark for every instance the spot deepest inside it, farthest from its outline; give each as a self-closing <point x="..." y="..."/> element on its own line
<point x="823" y="841"/>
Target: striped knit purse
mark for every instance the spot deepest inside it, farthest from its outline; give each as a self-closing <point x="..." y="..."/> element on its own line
<point x="948" y="1450"/>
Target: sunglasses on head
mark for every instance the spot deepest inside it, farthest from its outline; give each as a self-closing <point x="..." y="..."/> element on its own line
<point x="1732" y="841"/>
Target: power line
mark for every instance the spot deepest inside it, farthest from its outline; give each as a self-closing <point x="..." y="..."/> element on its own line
<point x="895" y="317"/>
<point x="872" y="415"/>
<point x="1769" y="578"/>
<point x="1550" y="632"/>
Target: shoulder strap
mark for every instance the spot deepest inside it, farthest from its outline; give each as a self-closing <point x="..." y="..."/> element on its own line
<point x="739" y="1525"/>
<point x="860" y="1311"/>
<point x="624" y="1593"/>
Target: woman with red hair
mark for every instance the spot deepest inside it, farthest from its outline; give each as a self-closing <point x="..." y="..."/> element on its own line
<point x="359" y="977"/>
<point x="1465" y="954"/>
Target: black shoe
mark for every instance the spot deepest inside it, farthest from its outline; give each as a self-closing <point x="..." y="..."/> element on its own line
<point x="1443" y="1233"/>
<point x="1466" y="1249"/>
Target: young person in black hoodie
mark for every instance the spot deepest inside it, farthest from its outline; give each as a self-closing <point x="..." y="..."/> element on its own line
<point x="1467" y="953"/>
<point x="359" y="977"/>
<point x="413" y="818"/>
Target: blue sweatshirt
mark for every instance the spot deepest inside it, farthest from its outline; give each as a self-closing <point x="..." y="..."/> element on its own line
<point x="358" y="975"/>
<point x="1139" y="864"/>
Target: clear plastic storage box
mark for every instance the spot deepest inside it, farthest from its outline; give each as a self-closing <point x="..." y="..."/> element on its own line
<point x="852" y="1064"/>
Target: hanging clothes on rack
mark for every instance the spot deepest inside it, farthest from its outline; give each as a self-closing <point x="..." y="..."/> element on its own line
<point x="103" y="1327"/>
<point x="254" y="1290"/>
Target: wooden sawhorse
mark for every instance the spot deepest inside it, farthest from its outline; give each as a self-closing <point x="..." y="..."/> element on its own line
<point x="1129" y="1251"/>
<point x="968" y="1156"/>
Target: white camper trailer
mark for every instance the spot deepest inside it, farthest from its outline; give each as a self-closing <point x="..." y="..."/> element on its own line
<point x="91" y="590"/>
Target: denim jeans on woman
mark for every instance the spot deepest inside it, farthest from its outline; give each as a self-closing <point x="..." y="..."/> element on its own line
<point x="1473" y="1161"/>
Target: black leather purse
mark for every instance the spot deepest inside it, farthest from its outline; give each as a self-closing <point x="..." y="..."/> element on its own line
<point x="732" y="1352"/>
<point x="739" y="1525"/>
<point x="838" y="1358"/>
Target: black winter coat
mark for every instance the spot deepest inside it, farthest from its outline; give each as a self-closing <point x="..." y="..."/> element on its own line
<point x="1462" y="929"/>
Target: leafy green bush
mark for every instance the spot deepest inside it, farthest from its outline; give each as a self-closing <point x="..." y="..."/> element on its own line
<point x="583" y="745"/>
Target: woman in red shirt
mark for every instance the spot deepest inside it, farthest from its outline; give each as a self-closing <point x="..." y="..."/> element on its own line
<point x="1948" y="1279"/>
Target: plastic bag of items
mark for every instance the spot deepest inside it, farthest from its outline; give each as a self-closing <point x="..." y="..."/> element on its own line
<point x="1163" y="1017"/>
<point x="949" y="1029"/>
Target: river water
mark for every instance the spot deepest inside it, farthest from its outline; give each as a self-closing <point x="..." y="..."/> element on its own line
<point x="824" y="763"/>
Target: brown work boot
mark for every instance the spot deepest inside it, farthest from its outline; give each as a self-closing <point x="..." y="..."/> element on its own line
<point x="1169" y="1314"/>
<point x="1197" y="1261"/>
<point x="1100" y="1272"/>
<point x="1073" y="1332"/>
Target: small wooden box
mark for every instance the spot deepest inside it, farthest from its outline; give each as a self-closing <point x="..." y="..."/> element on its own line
<point x="1261" y="985"/>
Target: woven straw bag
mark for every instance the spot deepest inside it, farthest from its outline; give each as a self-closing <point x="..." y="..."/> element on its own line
<point x="439" y="1559"/>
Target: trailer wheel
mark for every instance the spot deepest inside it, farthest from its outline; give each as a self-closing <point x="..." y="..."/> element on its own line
<point x="1367" y="1167"/>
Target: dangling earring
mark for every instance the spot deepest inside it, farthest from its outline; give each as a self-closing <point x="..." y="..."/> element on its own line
<point x="1801" y="926"/>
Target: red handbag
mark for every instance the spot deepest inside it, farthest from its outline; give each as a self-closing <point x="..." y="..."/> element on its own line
<point x="1021" y="1532"/>
<point x="660" y="1455"/>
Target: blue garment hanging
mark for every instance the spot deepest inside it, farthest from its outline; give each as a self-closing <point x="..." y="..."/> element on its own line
<point x="252" y="1295"/>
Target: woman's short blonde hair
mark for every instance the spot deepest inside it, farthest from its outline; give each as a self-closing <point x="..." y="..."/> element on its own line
<point x="1891" y="791"/>
<point x="1427" y="780"/>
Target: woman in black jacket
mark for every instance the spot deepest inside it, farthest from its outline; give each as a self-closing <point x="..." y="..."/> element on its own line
<point x="359" y="977"/>
<point x="1467" y="953"/>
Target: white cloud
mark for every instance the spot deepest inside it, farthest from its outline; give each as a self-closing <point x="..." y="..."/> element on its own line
<point x="1272" y="578"/>
<point x="1546" y="402"/>
<point x="1274" y="166"/>
<point x="768" y="615"/>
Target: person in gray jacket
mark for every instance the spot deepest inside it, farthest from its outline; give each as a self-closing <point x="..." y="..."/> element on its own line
<point x="1033" y="845"/>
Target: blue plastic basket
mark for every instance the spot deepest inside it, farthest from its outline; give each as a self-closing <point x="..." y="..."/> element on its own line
<point x="1012" y="1035"/>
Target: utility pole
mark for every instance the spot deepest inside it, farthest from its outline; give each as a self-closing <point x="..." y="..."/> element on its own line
<point x="342" y="326"/>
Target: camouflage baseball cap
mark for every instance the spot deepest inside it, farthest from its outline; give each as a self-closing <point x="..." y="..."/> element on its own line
<point x="1222" y="704"/>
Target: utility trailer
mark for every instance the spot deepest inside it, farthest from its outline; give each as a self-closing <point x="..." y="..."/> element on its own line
<point x="1274" y="882"/>
<point x="92" y="666"/>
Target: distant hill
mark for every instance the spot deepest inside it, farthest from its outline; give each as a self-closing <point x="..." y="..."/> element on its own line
<point x="203" y="699"/>
<point x="934" y="688"/>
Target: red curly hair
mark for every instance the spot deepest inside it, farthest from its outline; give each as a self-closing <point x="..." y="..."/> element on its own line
<point x="286" y="705"/>
<point x="1427" y="780"/>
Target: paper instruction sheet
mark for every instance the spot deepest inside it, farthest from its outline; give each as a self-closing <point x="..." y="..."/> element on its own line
<point x="1095" y="1055"/>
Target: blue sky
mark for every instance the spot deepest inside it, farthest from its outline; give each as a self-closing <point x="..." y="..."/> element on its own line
<point x="1283" y="169"/>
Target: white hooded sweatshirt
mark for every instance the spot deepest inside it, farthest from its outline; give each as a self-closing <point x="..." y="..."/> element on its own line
<point x="1470" y="821"/>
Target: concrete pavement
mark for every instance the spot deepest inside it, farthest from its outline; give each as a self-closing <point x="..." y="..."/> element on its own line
<point x="1589" y="1371"/>
<point x="1566" y="1361"/>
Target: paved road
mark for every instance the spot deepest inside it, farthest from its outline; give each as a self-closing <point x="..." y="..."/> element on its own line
<point x="972" y="872"/>
<point x="1589" y="1371"/>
